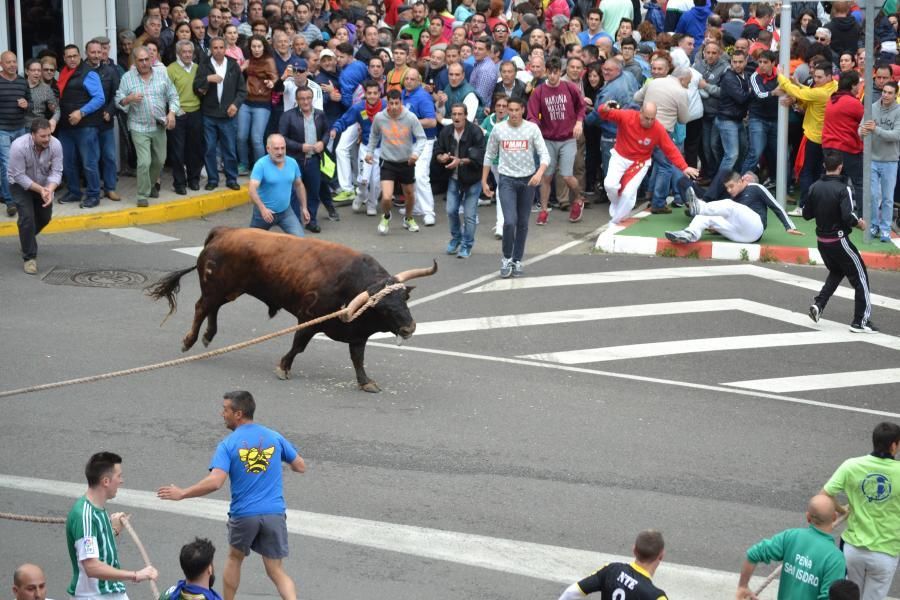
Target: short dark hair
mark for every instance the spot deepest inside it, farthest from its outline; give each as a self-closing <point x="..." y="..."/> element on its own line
<point x="515" y="100"/>
<point x="739" y="53"/>
<point x="371" y="83"/>
<point x="768" y="55"/>
<point x="764" y="10"/>
<point x="70" y="47"/>
<point x="890" y="84"/>
<point x="38" y="124"/>
<point x="554" y="64"/>
<point x="884" y="435"/>
<point x="303" y="88"/>
<point x="732" y="176"/>
<point x="824" y="66"/>
<point x="344" y="48"/>
<point x="394" y="95"/>
<point x="833" y="160"/>
<point x="847" y="80"/>
<point x="595" y="11"/>
<point x="243" y="401"/>
<point x="843" y="589"/>
<point x="99" y="465"/>
<point x="378" y="58"/>
<point x="648" y="545"/>
<point x="462" y="106"/>
<point x="628" y="41"/>
<point x="196" y="557"/>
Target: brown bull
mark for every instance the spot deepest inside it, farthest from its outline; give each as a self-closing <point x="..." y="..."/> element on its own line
<point x="307" y="277"/>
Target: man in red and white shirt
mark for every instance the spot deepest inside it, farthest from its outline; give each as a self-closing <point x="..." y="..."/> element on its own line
<point x="638" y="134"/>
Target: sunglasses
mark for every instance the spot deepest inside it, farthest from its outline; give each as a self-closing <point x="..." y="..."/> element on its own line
<point x="501" y="30"/>
<point x="821" y="39"/>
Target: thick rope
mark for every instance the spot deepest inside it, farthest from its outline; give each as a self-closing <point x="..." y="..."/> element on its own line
<point x="61" y="521"/>
<point x="372" y="301"/>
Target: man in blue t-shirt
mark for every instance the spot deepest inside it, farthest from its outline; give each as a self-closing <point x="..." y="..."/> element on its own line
<point x="251" y="457"/>
<point x="271" y="181"/>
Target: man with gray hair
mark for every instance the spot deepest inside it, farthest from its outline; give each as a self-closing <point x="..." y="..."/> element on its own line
<point x="150" y="99"/>
<point x="152" y="30"/>
<point x="669" y="94"/>
<point x="185" y="151"/>
<point x="735" y="24"/>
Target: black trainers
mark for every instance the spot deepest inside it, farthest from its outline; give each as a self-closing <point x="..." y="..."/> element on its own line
<point x="815" y="312"/>
<point x="867" y="327"/>
<point x="333" y="215"/>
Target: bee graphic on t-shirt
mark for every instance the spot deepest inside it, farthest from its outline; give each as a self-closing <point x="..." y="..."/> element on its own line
<point x="256" y="459"/>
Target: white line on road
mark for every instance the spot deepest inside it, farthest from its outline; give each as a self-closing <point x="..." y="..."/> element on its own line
<point x="540" y="561"/>
<point x="824" y="381"/>
<point x="641" y="378"/>
<point x="136" y="234"/>
<point x="192" y="251"/>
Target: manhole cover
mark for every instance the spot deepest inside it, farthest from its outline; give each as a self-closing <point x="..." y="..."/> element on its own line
<point x="101" y="278"/>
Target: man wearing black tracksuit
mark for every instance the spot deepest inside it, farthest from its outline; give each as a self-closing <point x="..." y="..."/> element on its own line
<point x="830" y="202"/>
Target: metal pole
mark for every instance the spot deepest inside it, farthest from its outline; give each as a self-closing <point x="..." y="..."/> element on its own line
<point x="869" y="38"/>
<point x="784" y="59"/>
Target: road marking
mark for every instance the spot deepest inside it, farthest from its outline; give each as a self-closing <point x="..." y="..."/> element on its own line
<point x="676" y="273"/>
<point x="193" y="251"/>
<point x="715" y="344"/>
<point x="641" y="378"/>
<point x="540" y="561"/>
<point x="825" y="381"/>
<point x="136" y="234"/>
<point x="588" y="237"/>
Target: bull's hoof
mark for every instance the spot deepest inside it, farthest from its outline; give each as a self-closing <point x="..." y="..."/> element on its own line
<point x="370" y="387"/>
<point x="185" y="346"/>
<point x="206" y="341"/>
<point x="282" y="374"/>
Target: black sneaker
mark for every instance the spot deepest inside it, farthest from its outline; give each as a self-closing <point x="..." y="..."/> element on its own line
<point x="314" y="228"/>
<point x="867" y="327"/>
<point x="234" y="185"/>
<point x="815" y="312"/>
<point x="154" y="192"/>
<point x="10" y="210"/>
<point x="333" y="215"/>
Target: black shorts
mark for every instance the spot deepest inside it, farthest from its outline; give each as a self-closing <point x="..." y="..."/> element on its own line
<point x="400" y="172"/>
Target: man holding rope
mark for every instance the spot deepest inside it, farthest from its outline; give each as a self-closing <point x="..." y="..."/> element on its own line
<point x="91" y="536"/>
<point x="251" y="456"/>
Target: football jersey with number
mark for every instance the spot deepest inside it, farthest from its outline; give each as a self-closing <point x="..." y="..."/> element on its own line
<point x="89" y="534"/>
<point x="620" y="581"/>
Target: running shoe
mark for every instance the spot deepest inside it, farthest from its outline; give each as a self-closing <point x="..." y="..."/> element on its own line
<point x="517" y="269"/>
<point x="410" y="224"/>
<point x="344" y="196"/>
<point x="506" y="267"/>
<point x="679" y="237"/>
<point x="867" y="327"/>
<point x="575" y="212"/>
<point x="693" y="205"/>
<point x="542" y="217"/>
<point x="815" y="312"/>
<point x="384" y="225"/>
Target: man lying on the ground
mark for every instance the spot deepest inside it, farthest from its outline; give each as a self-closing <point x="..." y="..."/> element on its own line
<point x="742" y="218"/>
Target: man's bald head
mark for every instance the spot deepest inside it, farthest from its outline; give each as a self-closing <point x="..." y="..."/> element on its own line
<point x="648" y="114"/>
<point x="821" y="512"/>
<point x="29" y="583"/>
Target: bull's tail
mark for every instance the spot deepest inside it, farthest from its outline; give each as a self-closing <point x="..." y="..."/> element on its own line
<point x="168" y="287"/>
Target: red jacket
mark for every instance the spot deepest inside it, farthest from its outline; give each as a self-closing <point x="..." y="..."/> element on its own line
<point x="843" y="113"/>
<point x="636" y="143"/>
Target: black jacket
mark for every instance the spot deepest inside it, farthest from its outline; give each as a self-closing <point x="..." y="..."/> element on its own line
<point x="844" y="34"/>
<point x="291" y="127"/>
<point x="734" y="96"/>
<point x="763" y="105"/>
<point x="109" y="79"/>
<point x="471" y="146"/>
<point x="234" y="89"/>
<point x="830" y="202"/>
<point x="518" y="90"/>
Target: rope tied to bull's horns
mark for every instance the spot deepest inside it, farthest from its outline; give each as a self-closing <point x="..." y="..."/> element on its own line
<point x="126" y="524"/>
<point x="344" y="313"/>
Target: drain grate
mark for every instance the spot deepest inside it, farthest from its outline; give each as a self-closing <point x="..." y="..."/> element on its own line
<point x="125" y="279"/>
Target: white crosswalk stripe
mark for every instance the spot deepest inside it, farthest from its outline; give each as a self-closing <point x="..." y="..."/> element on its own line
<point x="142" y="236"/>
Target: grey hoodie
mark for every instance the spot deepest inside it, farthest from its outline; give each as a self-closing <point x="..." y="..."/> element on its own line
<point x="397" y="143"/>
<point x="713" y="76"/>
<point x="886" y="138"/>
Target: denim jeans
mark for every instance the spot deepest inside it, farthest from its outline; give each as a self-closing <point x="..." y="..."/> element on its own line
<point x="285" y="219"/>
<point x="710" y="148"/>
<point x="515" y="197"/>
<point x="312" y="181"/>
<point x="664" y="177"/>
<point x="884" y="179"/>
<point x="763" y="140"/>
<point x="220" y="136"/>
<point x="468" y="198"/>
<point x="6" y="139"/>
<point x="108" y="165"/>
<point x="83" y="143"/>
<point x="730" y="134"/>
<point x="251" y="126"/>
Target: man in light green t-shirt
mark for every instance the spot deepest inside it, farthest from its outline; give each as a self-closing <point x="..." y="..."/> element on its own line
<point x="91" y="536"/>
<point x="872" y="538"/>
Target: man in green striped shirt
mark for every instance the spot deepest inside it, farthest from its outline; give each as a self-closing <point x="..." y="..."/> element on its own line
<point x="91" y="536"/>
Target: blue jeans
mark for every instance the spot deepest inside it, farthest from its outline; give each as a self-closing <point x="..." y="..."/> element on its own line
<point x="515" y="197"/>
<point x="664" y="177"/>
<point x="252" y="121"/>
<point x="310" y="171"/>
<point x="108" y="166"/>
<point x="884" y="178"/>
<point x="763" y="140"/>
<point x="285" y="219"/>
<point x="730" y="134"/>
<point x="220" y="136"/>
<point x="84" y="143"/>
<point x="468" y="197"/>
<point x="710" y="147"/>
<point x="6" y="138"/>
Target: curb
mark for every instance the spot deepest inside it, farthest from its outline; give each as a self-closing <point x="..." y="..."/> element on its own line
<point x="610" y="241"/>
<point x="177" y="210"/>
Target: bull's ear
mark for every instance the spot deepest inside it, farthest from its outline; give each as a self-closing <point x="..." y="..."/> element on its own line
<point x="409" y="289"/>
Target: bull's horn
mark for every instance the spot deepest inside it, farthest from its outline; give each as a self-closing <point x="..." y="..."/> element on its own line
<point x="413" y="273"/>
<point x="355" y="304"/>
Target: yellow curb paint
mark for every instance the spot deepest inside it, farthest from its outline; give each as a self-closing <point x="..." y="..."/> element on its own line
<point x="165" y="212"/>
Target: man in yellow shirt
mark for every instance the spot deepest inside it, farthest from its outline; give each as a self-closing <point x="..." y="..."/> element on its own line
<point x="812" y="100"/>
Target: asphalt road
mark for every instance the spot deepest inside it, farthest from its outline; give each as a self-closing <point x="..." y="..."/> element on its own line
<point x="473" y="433"/>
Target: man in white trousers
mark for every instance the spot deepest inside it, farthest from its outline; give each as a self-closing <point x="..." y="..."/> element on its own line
<point x="741" y="218"/>
<point x="419" y="102"/>
<point x="639" y="133"/>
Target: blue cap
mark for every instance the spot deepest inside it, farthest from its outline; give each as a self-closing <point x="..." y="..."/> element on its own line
<point x="301" y="65"/>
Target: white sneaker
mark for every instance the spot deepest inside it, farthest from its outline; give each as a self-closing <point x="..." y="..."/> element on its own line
<point x="358" y="203"/>
<point x="797" y="212"/>
<point x="498" y="233"/>
<point x="384" y="226"/>
<point x="428" y="220"/>
<point x="371" y="211"/>
<point x="411" y="225"/>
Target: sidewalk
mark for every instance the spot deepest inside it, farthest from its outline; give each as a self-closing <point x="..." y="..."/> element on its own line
<point x="125" y="213"/>
<point x="644" y="234"/>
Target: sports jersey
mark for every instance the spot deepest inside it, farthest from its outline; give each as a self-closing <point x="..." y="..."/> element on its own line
<point x="252" y="457"/>
<point x="874" y="521"/>
<point x="89" y="534"/>
<point x="622" y="582"/>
